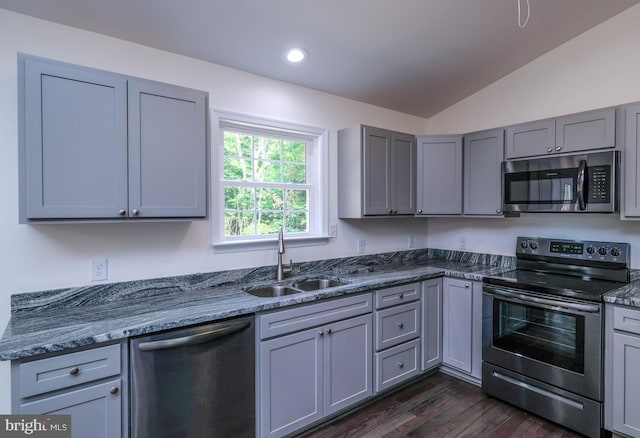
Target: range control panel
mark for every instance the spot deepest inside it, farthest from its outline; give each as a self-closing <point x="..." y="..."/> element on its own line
<point x="574" y="249"/>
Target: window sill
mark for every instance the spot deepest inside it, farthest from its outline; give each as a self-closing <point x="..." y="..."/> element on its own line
<point x="258" y="245"/>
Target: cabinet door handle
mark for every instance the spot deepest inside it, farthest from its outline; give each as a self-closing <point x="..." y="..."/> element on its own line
<point x="400" y="365"/>
<point x="321" y="333"/>
<point x="549" y="149"/>
<point x="74" y="371"/>
<point x="135" y="212"/>
<point x="114" y="390"/>
<point x="401" y="295"/>
<point x="329" y="331"/>
<point x="400" y="325"/>
<point x="420" y="211"/>
<point x="498" y="211"/>
<point x="122" y="212"/>
<point x="390" y="211"/>
<point x="558" y="148"/>
<point x="395" y="211"/>
<point x="467" y="285"/>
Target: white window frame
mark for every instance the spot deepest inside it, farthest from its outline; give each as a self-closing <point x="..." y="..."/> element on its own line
<point x="317" y="170"/>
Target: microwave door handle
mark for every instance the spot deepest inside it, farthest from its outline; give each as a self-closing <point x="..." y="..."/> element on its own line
<point x="580" y="189"/>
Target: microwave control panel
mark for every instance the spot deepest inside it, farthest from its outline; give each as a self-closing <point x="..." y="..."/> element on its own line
<point x="599" y="183"/>
<point x="587" y="250"/>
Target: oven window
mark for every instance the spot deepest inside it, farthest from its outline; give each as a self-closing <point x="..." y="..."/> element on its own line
<point x="550" y="336"/>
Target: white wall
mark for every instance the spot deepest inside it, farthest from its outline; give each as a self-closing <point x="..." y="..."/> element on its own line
<point x="597" y="69"/>
<point x="54" y="256"/>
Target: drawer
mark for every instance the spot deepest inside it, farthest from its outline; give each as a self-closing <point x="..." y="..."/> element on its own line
<point x="397" y="295"/>
<point x="300" y="318"/>
<point x="397" y="364"/>
<point x="626" y="319"/>
<point x="396" y="325"/>
<point x="40" y="376"/>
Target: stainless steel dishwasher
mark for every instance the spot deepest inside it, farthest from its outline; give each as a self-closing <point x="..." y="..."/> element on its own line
<point x="194" y="382"/>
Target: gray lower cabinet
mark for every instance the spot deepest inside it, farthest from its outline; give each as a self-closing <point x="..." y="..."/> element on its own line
<point x="483" y="155"/>
<point x="99" y="145"/>
<point x="431" y="323"/>
<point x="325" y="367"/>
<point x="376" y="172"/>
<point x="439" y="175"/>
<point x="573" y="133"/>
<point x="398" y="329"/>
<point x="626" y="363"/>
<point x="631" y="193"/>
<point x="89" y="385"/>
<point x="462" y="326"/>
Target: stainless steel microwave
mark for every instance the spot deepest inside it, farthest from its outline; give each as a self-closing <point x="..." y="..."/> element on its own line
<point x="577" y="183"/>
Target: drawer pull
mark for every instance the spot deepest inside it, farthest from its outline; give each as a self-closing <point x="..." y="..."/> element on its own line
<point x="400" y="325"/>
<point x="321" y="333"/>
<point x="74" y="371"/>
<point x="401" y="296"/>
<point x="400" y="365"/>
<point x="329" y="331"/>
<point x="114" y="390"/>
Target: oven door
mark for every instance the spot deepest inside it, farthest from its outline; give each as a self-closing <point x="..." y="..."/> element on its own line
<point x="552" y="340"/>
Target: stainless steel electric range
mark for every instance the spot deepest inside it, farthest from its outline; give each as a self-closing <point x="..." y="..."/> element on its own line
<point x="543" y="329"/>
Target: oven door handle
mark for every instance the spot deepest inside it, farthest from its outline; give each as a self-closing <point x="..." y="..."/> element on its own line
<point x="526" y="299"/>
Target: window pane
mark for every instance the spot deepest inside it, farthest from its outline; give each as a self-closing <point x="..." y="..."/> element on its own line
<point x="238" y="198"/>
<point x="294" y="151"/>
<point x="239" y="224"/>
<point x="297" y="199"/>
<point x="295" y="173"/>
<point x="268" y="148"/>
<point x="269" y="199"/>
<point x="237" y="145"/>
<point x="268" y="171"/>
<point x="269" y="222"/>
<point x="236" y="169"/>
<point x="297" y="222"/>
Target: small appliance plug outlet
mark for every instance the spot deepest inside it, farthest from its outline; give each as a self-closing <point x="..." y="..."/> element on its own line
<point x="98" y="269"/>
<point x="361" y="246"/>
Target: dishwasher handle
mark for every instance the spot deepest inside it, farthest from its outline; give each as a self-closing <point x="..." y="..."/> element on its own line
<point x="221" y="330"/>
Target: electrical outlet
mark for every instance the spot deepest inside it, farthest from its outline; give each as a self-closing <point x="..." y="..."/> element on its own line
<point x="333" y="230"/>
<point x="361" y="246"/>
<point x="411" y="241"/>
<point x="98" y="269"/>
<point x="462" y="243"/>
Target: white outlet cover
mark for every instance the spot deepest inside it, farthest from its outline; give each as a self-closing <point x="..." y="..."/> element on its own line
<point x="99" y="269"/>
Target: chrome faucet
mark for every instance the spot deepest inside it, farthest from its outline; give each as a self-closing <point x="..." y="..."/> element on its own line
<point x="282" y="271"/>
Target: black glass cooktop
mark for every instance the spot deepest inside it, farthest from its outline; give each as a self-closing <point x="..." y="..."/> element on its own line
<point x="555" y="284"/>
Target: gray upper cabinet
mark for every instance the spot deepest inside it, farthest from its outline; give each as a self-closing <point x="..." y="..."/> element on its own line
<point x="98" y="145"/>
<point x="572" y="133"/>
<point x="483" y="155"/>
<point x="167" y="153"/>
<point x="439" y="175"/>
<point x="631" y="193"/>
<point x="376" y="172"/>
<point x="529" y="139"/>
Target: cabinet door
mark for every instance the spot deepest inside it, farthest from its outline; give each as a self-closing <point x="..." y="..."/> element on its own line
<point x="632" y="162"/>
<point x="483" y="155"/>
<point x="626" y="388"/>
<point x="584" y="131"/>
<point x="95" y="410"/>
<point x="431" y="323"/>
<point x="167" y="151"/>
<point x="457" y="324"/>
<point x="74" y="142"/>
<point x="290" y="382"/>
<point x="439" y="175"/>
<point x="403" y="173"/>
<point x="530" y="139"/>
<point x="347" y="363"/>
<point x="376" y="161"/>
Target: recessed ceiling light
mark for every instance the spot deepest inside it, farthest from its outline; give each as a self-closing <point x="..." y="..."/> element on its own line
<point x="295" y="55"/>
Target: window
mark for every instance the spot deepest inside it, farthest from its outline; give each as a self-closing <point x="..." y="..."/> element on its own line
<point x="270" y="175"/>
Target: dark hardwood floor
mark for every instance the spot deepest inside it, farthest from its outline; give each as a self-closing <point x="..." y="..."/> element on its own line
<point x="439" y="406"/>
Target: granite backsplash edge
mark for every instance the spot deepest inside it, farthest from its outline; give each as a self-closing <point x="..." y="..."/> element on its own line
<point x="91" y="295"/>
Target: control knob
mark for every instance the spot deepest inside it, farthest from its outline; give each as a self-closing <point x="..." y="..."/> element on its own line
<point x="524" y="244"/>
<point x="533" y="245"/>
<point x="602" y="250"/>
<point x="615" y="252"/>
<point x="591" y="250"/>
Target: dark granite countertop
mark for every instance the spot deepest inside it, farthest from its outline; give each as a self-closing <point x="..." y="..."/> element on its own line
<point x="51" y="321"/>
<point x="627" y="295"/>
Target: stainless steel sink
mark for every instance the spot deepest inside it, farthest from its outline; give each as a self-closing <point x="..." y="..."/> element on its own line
<point x="317" y="283"/>
<point x="307" y="285"/>
<point x="272" y="291"/>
